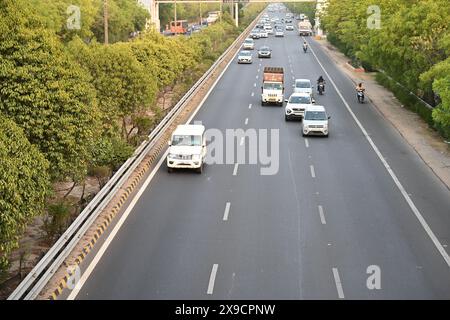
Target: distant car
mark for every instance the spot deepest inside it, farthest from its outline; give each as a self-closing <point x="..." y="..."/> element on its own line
<point x="303" y="86"/>
<point x="296" y="105"/>
<point x="288" y="20"/>
<point x="279" y="32"/>
<point x="248" y="44"/>
<point x="245" y="56"/>
<point x="264" y="52"/>
<point x="263" y="33"/>
<point x="255" y="34"/>
<point x="315" y="121"/>
<point x="268" y="29"/>
<point x="289" y="27"/>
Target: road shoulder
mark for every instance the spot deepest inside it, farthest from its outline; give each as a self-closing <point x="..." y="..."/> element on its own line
<point x="428" y="144"/>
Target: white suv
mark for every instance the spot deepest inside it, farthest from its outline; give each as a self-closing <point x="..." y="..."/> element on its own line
<point x="187" y="148"/>
<point x="315" y="121"/>
<point x="249" y="44"/>
<point x="303" y="86"/>
<point x="296" y="105"/>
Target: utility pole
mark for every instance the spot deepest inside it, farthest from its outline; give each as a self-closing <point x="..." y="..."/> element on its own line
<point x="105" y="20"/>
<point x="175" y="12"/>
<point x="200" y="11"/>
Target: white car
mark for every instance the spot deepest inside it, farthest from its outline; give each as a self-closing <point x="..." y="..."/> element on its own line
<point x="187" y="148"/>
<point x="289" y="27"/>
<point x="303" y="86"/>
<point x="245" y="56"/>
<point x="263" y="33"/>
<point x="296" y="105"/>
<point x="249" y="44"/>
<point x="279" y="32"/>
<point x="315" y="121"/>
<point x="268" y="29"/>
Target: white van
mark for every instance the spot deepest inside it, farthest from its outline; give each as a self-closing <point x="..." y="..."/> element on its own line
<point x="315" y="121"/>
<point x="187" y="148"/>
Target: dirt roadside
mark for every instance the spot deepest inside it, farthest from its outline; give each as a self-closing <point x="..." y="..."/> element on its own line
<point x="428" y="144"/>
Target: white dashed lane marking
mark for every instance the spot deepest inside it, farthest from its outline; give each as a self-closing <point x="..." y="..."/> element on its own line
<point x="212" y="279"/>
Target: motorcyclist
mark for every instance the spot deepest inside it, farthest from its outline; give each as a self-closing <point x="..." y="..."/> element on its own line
<point x="321" y="80"/>
<point x="305" y="46"/>
<point x="360" y="89"/>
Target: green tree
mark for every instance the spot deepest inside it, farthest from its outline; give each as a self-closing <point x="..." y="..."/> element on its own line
<point x="123" y="85"/>
<point x="24" y="185"/>
<point x="45" y="91"/>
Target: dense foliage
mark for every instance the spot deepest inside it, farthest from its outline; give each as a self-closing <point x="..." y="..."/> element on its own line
<point x="307" y="8"/>
<point x="71" y="106"/>
<point x="412" y="45"/>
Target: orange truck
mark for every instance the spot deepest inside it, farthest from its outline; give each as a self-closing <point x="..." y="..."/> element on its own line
<point x="273" y="86"/>
<point x="178" y="27"/>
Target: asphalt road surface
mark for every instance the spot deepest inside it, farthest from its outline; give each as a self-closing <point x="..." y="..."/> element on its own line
<point x="311" y="231"/>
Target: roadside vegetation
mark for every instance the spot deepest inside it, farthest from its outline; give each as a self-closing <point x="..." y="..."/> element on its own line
<point x="411" y="49"/>
<point x="72" y="109"/>
<point x="307" y="8"/>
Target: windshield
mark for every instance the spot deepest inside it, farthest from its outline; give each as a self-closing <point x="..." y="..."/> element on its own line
<point x="315" y="115"/>
<point x="302" y="100"/>
<point x="245" y="53"/>
<point x="272" y="86"/>
<point x="303" y="84"/>
<point x="264" y="49"/>
<point x="248" y="41"/>
<point x="186" y="140"/>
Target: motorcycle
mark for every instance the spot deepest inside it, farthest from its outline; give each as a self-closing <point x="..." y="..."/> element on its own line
<point x="360" y="95"/>
<point x="321" y="88"/>
<point x="305" y="48"/>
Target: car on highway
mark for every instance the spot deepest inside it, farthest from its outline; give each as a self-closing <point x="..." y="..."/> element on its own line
<point x="245" y="56"/>
<point x="289" y="27"/>
<point x="303" y="86"/>
<point x="279" y="32"/>
<point x="187" y="148"/>
<point x="255" y="34"/>
<point x="263" y="33"/>
<point x="264" y="52"/>
<point x="268" y="29"/>
<point x="315" y="121"/>
<point x="296" y="105"/>
<point x="249" y="44"/>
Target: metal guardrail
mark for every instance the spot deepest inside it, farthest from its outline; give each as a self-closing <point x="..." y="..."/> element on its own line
<point x="36" y="280"/>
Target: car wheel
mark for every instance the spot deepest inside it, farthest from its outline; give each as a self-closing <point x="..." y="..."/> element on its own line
<point x="262" y="103"/>
<point x="286" y="118"/>
<point x="169" y="169"/>
<point x="200" y="169"/>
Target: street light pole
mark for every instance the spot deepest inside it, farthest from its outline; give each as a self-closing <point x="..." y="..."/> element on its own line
<point x="105" y="20"/>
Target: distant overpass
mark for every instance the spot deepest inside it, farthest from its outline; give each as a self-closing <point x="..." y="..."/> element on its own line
<point x="153" y="5"/>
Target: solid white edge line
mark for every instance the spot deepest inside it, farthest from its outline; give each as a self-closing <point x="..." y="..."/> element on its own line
<point x="322" y="216"/>
<point x="337" y="281"/>
<point x="111" y="236"/>
<point x="212" y="279"/>
<point x="235" y="169"/>
<point x="397" y="182"/>
<point x="313" y="173"/>
<point x="113" y="233"/>
<point x="227" y="211"/>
